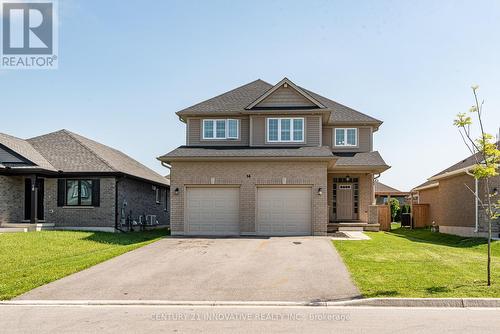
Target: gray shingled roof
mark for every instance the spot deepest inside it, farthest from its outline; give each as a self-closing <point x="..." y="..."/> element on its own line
<point x="425" y="184"/>
<point x="70" y="152"/>
<point x="248" y="152"/>
<point x="341" y="113"/>
<point x="371" y="159"/>
<point x="236" y="100"/>
<point x="25" y="149"/>
<point x="467" y="162"/>
<point x="383" y="188"/>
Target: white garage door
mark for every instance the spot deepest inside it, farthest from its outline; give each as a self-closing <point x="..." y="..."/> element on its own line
<point x="284" y="211"/>
<point x="212" y="211"/>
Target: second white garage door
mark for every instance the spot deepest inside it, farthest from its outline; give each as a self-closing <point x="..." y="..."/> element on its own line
<point x="212" y="211"/>
<point x="284" y="211"/>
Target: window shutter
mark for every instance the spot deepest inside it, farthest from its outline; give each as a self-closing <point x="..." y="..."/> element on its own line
<point x="61" y="191"/>
<point x="96" y="192"/>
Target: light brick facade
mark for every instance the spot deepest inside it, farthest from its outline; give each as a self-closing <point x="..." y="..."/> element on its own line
<point x="452" y="205"/>
<point x="249" y="176"/>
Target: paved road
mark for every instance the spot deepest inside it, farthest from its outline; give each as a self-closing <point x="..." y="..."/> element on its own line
<point x="156" y="319"/>
<point x="230" y="269"/>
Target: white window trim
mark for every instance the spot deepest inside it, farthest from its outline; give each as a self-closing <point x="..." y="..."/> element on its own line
<point x="226" y="134"/>
<point x="345" y="137"/>
<point x="291" y="130"/>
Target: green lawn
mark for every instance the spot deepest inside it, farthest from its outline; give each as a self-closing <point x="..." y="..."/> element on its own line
<point x="28" y="260"/>
<point x="419" y="263"/>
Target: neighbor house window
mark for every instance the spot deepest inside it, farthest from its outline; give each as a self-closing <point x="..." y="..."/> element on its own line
<point x="220" y="129"/>
<point x="79" y="192"/>
<point x="346" y="137"/>
<point x="285" y="130"/>
<point x="158" y="195"/>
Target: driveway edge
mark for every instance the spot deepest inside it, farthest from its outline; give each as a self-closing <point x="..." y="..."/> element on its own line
<point x="371" y="302"/>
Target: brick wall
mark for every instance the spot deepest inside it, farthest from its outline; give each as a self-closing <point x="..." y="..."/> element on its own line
<point x="261" y="173"/>
<point x="456" y="202"/>
<point x="431" y="196"/>
<point x="11" y="199"/>
<point x="141" y="199"/>
<point x="85" y="217"/>
<point x="494" y="183"/>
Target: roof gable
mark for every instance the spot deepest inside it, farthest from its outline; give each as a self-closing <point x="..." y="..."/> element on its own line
<point x="285" y="94"/>
<point x="25" y="150"/>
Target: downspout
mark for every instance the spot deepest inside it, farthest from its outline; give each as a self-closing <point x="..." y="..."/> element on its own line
<point x="375" y="178"/>
<point x="476" y="199"/>
<point x="117" y="211"/>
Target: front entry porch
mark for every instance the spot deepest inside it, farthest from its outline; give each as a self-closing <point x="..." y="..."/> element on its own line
<point x="24" y="208"/>
<point x="349" y="197"/>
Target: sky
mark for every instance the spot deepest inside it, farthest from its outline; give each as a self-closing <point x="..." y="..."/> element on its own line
<point x="126" y="67"/>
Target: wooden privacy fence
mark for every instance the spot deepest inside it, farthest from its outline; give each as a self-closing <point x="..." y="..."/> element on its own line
<point x="421" y="215"/>
<point x="384" y="217"/>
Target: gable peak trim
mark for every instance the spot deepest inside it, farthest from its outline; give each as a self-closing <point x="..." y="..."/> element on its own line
<point x="285" y="82"/>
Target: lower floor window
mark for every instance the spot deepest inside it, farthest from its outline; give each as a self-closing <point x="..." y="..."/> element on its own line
<point x="78" y="192"/>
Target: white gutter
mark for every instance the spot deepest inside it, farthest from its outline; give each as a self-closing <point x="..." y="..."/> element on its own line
<point x="448" y="174"/>
<point x="476" y="200"/>
<point x="432" y="185"/>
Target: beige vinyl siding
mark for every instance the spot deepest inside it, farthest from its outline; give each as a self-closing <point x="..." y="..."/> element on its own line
<point x="195" y="133"/>
<point x="365" y="139"/>
<point x="312" y="128"/>
<point x="285" y="97"/>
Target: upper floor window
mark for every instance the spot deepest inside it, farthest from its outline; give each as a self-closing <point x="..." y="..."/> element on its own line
<point x="220" y="129"/>
<point x="346" y="137"/>
<point x="285" y="129"/>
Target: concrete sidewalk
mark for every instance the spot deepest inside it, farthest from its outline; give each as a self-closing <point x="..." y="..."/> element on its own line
<point x="233" y="319"/>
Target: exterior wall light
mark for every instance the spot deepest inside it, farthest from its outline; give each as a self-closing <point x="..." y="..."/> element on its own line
<point x="176" y="191"/>
<point x="320" y="191"/>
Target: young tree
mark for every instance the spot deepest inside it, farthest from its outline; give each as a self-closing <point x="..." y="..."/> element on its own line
<point x="394" y="209"/>
<point x="487" y="159"/>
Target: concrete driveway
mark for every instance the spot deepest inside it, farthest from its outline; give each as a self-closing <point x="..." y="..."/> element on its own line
<point x="233" y="269"/>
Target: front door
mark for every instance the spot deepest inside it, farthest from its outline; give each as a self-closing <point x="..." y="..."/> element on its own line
<point x="344" y="202"/>
<point x="27" y="199"/>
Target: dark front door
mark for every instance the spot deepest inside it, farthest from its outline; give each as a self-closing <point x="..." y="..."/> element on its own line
<point x="27" y="199"/>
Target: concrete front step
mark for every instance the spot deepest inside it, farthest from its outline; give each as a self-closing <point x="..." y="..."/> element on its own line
<point x="352" y="226"/>
<point x="13" y="229"/>
<point x="27" y="227"/>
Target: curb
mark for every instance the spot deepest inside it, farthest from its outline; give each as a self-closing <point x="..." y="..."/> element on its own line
<point x="371" y="302"/>
<point x="422" y="302"/>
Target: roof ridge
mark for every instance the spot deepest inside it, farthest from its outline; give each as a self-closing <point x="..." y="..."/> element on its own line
<point x="74" y="136"/>
<point x="227" y="92"/>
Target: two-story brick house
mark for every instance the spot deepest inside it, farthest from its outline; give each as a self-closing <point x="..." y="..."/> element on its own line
<point x="272" y="160"/>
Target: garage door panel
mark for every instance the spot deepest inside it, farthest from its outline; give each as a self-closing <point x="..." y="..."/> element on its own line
<point x="212" y="211"/>
<point x="284" y="211"/>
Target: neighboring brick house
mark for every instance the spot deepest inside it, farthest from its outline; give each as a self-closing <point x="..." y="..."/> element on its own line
<point x="452" y="203"/>
<point x="272" y="160"/>
<point x="67" y="181"/>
